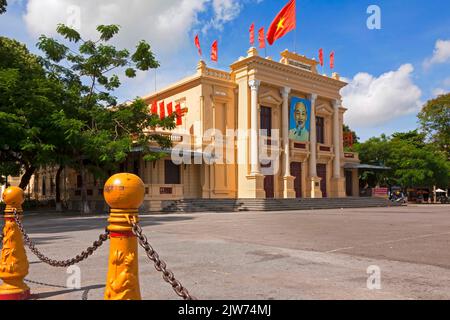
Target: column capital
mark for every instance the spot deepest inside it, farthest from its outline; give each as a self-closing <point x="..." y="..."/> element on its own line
<point x="337" y="103"/>
<point x="254" y="84"/>
<point x="285" y="92"/>
<point x="313" y="97"/>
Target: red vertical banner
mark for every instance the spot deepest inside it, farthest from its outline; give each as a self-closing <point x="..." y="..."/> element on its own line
<point x="162" y="110"/>
<point x="262" y="39"/>
<point x="252" y="35"/>
<point x="197" y="44"/>
<point x="332" y="60"/>
<point x="214" y="52"/>
<point x="321" y="57"/>
<point x="155" y="107"/>
<point x="169" y="109"/>
<point x="179" y="114"/>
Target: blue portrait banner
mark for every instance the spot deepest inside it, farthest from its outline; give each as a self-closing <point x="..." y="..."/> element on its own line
<point x="300" y="119"/>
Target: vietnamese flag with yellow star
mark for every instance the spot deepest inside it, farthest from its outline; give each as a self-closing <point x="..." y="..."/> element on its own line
<point x="284" y="22"/>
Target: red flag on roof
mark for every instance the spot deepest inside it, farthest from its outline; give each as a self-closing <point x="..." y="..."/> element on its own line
<point x="332" y="60"/>
<point x="321" y="57"/>
<point x="197" y="44"/>
<point x="284" y="22"/>
<point x="252" y="34"/>
<point x="262" y="39"/>
<point x="214" y="52"/>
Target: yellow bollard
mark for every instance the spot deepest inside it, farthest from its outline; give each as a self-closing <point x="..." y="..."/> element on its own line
<point x="124" y="193"/>
<point x="14" y="263"/>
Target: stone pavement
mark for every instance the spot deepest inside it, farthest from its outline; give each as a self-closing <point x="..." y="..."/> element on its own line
<point x="278" y="255"/>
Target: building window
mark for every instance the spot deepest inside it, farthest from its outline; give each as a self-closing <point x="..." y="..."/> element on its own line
<point x="320" y="128"/>
<point x="44" y="187"/>
<point x="172" y="173"/>
<point x="266" y="121"/>
<point x="52" y="186"/>
<point x="79" y="181"/>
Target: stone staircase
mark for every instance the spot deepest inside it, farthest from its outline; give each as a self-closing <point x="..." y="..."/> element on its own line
<point x="239" y="205"/>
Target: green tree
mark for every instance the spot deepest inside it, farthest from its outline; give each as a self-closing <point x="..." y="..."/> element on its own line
<point x="3" y="5"/>
<point x="99" y="133"/>
<point x="28" y="99"/>
<point x="435" y="122"/>
<point x="413" y="162"/>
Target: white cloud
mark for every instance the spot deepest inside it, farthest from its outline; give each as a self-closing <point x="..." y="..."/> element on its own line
<point x="225" y="11"/>
<point x="439" y="91"/>
<point x="166" y="24"/>
<point x="372" y="101"/>
<point x="441" y="54"/>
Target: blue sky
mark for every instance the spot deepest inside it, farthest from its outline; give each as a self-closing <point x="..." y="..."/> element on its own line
<point x="387" y="69"/>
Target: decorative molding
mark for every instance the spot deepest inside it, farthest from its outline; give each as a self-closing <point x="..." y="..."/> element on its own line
<point x="324" y="108"/>
<point x="270" y="97"/>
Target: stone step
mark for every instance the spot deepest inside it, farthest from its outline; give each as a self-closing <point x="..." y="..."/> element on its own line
<point x="237" y="205"/>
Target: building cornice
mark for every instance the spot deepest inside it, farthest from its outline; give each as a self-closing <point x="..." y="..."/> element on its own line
<point x="255" y="62"/>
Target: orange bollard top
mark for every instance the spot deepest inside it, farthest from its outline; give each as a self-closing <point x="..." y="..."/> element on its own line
<point x="124" y="191"/>
<point x="13" y="197"/>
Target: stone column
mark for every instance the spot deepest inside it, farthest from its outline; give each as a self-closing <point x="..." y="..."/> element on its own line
<point x="315" y="180"/>
<point x="336" y="141"/>
<point x="285" y="115"/>
<point x="313" y="139"/>
<point x="338" y="183"/>
<point x="254" y="143"/>
<point x="289" y="191"/>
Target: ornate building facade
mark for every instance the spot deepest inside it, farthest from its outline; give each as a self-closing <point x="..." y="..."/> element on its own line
<point x="263" y="129"/>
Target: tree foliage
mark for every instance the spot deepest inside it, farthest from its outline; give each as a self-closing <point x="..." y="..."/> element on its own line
<point x="3" y="4"/>
<point x="28" y="98"/>
<point x="99" y="133"/>
<point x="435" y="121"/>
<point x="413" y="162"/>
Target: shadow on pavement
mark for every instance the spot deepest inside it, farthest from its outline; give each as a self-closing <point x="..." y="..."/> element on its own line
<point x="61" y="224"/>
<point x="66" y="290"/>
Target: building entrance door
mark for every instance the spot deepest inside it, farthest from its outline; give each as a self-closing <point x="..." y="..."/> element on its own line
<point x="296" y="171"/>
<point x="322" y="173"/>
<point x="269" y="187"/>
<point x="348" y="183"/>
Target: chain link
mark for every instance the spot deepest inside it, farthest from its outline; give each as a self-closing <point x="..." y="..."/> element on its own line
<point x="160" y="265"/>
<point x="65" y="263"/>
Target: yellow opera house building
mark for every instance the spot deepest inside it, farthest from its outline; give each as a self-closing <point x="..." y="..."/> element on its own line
<point x="264" y="129"/>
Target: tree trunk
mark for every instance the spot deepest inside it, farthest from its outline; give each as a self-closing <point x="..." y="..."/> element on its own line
<point x="85" y="209"/>
<point x="58" y="188"/>
<point x="25" y="180"/>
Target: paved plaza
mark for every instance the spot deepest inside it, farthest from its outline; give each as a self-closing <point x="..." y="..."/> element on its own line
<point x="278" y="255"/>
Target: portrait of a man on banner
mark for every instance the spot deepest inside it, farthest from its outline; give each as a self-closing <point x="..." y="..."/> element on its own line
<point x="299" y="120"/>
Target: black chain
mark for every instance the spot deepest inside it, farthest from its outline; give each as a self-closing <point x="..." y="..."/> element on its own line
<point x="65" y="263"/>
<point x="160" y="265"/>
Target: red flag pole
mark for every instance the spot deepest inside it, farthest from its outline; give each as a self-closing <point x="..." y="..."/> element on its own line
<point x="295" y="30"/>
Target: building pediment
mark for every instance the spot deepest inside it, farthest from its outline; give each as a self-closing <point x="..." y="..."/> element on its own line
<point x="270" y="96"/>
<point x="324" y="109"/>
